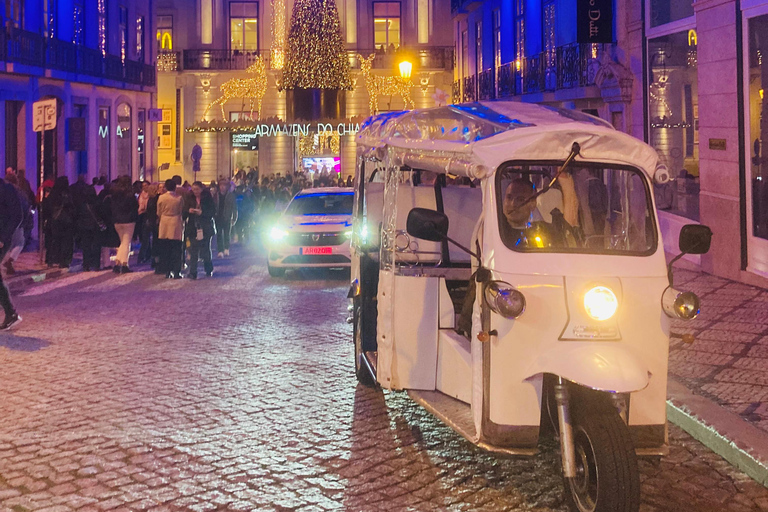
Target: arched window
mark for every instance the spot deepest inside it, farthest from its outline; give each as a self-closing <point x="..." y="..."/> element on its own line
<point x="124" y="140"/>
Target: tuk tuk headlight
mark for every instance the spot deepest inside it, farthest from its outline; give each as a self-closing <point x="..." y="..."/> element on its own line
<point x="600" y="303"/>
<point x="504" y="299"/>
<point x="684" y="305"/>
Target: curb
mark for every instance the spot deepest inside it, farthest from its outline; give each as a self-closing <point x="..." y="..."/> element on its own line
<point x="725" y="433"/>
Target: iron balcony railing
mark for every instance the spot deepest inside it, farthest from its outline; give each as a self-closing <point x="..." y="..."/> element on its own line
<point x="566" y="67"/>
<point x="221" y="59"/>
<point x="29" y="48"/>
<point x="431" y="57"/>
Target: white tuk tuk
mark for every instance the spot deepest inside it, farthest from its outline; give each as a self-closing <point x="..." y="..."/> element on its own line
<point x="508" y="271"/>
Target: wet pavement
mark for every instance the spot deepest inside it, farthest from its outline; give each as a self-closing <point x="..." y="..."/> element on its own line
<point x="728" y="360"/>
<point x="133" y="392"/>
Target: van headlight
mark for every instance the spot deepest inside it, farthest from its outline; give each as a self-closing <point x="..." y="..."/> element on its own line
<point x="277" y="234"/>
<point x="504" y="299"/>
<point x="600" y="303"/>
<point x="677" y="304"/>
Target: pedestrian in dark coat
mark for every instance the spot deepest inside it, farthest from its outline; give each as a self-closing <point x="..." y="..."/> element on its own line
<point x="226" y="216"/>
<point x="60" y="212"/>
<point x="89" y="227"/>
<point x="199" y="211"/>
<point x="11" y="217"/>
<point x="125" y="213"/>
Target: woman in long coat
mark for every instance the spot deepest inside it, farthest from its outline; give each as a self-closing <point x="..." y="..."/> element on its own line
<point x="170" y="207"/>
<point x="200" y="210"/>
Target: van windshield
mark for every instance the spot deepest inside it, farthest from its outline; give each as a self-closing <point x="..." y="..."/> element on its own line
<point x="595" y="209"/>
<point x="321" y="204"/>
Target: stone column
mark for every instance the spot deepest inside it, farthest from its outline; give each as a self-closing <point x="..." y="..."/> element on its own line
<point x="718" y="119"/>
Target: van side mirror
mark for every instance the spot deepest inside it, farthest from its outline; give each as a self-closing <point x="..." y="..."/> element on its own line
<point x="695" y="239"/>
<point x="427" y="224"/>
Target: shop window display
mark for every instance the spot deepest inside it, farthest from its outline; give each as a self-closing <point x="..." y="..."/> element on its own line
<point x="673" y="117"/>
<point x="758" y="126"/>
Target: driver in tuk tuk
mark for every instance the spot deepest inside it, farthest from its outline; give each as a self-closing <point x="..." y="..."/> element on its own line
<point x="519" y="204"/>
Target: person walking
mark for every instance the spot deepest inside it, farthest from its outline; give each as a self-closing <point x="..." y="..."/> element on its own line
<point x="154" y="221"/>
<point x="170" y="233"/>
<point x="60" y="211"/>
<point x="124" y="216"/>
<point x="226" y="216"/>
<point x="90" y="226"/>
<point x="200" y="228"/>
<point x="148" y="222"/>
<point x="141" y="234"/>
<point x="18" y="242"/>
<point x="11" y="218"/>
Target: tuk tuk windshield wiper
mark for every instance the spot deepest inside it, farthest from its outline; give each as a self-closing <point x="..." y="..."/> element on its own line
<point x="575" y="148"/>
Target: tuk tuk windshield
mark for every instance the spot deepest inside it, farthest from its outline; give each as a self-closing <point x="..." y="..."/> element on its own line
<point x="591" y="208"/>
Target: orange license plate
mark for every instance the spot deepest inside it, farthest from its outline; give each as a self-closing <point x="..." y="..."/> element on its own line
<point x="315" y="250"/>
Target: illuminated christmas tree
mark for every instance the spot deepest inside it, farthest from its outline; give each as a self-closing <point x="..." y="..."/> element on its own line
<point x="316" y="57"/>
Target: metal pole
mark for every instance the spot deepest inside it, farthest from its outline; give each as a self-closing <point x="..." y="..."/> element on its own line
<point x="42" y="192"/>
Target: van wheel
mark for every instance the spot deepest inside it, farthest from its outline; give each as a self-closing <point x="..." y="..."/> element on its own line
<point x="275" y="271"/>
<point x="607" y="477"/>
<point x="361" y="369"/>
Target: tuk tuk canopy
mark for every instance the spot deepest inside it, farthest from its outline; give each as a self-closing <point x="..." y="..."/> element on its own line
<point x="472" y="139"/>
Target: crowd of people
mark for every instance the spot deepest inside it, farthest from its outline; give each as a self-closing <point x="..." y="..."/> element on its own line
<point x="168" y="221"/>
<point x="172" y="224"/>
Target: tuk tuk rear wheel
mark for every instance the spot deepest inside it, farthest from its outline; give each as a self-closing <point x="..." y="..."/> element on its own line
<point x="361" y="370"/>
<point x="607" y="476"/>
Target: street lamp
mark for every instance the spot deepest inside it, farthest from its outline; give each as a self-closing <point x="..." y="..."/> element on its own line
<point x="405" y="70"/>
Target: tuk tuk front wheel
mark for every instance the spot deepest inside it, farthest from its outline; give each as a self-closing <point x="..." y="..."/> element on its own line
<point x="275" y="271"/>
<point x="607" y="477"/>
<point x="361" y="370"/>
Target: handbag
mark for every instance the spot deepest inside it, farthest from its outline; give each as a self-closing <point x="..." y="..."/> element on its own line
<point x="100" y="223"/>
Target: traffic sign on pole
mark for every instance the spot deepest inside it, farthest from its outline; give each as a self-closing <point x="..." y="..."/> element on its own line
<point x="44" y="115"/>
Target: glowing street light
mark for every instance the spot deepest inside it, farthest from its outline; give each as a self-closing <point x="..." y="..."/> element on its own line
<point x="405" y="69"/>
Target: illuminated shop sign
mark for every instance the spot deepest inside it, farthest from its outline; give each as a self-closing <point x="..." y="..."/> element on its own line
<point x="294" y="130"/>
<point x="246" y="141"/>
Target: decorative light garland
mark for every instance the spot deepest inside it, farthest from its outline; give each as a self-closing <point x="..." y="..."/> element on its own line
<point x="316" y="57"/>
<point x="167" y="62"/>
<point x="277" y="49"/>
<point x="252" y="89"/>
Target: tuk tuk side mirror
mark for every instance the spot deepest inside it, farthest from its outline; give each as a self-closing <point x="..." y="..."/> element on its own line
<point x="695" y="239"/>
<point x="427" y="224"/>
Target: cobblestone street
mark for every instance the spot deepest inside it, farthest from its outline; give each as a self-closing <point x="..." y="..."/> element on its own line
<point x="134" y="392"/>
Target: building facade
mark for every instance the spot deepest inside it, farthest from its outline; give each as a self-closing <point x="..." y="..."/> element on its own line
<point x="210" y="53"/>
<point x="527" y="50"/>
<point x="684" y="76"/>
<point x="94" y="60"/>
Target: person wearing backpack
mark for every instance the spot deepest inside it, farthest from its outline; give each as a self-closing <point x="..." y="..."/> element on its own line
<point x="11" y="217"/>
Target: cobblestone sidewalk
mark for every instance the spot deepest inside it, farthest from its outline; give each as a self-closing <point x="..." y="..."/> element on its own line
<point x="728" y="361"/>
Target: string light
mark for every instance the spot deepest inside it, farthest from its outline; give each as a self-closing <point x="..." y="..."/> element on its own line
<point x="316" y="57"/>
<point x="378" y="85"/>
<point x="277" y="49"/>
<point x="252" y="89"/>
